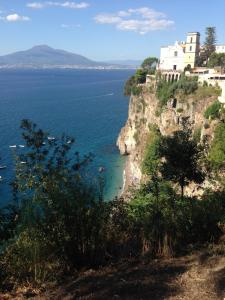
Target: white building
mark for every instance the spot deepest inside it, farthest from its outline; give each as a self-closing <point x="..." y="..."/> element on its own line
<point x="180" y="55"/>
<point x="220" y="48"/>
<point x="172" y="57"/>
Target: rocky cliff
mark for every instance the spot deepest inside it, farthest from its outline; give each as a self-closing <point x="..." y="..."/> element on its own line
<point x="144" y="112"/>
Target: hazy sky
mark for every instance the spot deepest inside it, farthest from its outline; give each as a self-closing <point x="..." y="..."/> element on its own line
<point x="106" y="29"/>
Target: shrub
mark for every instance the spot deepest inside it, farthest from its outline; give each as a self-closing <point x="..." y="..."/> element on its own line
<point x="216" y="155"/>
<point x="131" y="86"/>
<point x="213" y="111"/>
<point x="167" y="90"/>
<point x="197" y="135"/>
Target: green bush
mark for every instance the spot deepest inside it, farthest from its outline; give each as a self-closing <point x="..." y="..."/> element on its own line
<point x="197" y="135"/>
<point x="131" y="86"/>
<point x="216" y="155"/>
<point x="167" y="90"/>
<point x="213" y="111"/>
<point x="60" y="222"/>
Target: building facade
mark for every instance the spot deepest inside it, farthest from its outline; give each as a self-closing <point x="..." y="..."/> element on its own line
<point x="192" y="49"/>
<point x="220" y="48"/>
<point x="181" y="54"/>
<point x="172" y="57"/>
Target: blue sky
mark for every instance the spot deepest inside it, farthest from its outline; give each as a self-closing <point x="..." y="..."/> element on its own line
<point x="106" y="29"/>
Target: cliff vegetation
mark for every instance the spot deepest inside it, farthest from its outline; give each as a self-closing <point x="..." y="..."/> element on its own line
<point x="58" y="226"/>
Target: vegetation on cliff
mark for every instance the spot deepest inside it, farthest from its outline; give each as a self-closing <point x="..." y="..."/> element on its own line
<point x="132" y="85"/>
<point x="58" y="221"/>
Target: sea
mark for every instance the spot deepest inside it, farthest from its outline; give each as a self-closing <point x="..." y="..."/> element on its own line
<point x="88" y="105"/>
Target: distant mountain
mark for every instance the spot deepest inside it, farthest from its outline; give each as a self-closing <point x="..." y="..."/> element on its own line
<point x="41" y="56"/>
<point x="128" y="62"/>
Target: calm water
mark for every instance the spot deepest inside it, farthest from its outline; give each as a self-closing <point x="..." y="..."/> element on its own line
<point x="88" y="105"/>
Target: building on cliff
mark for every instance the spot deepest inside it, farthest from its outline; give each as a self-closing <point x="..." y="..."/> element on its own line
<point x="181" y="54"/>
<point x="177" y="57"/>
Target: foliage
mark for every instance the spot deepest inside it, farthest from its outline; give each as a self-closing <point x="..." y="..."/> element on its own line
<point x="216" y="155"/>
<point x="206" y="91"/>
<point x="169" y="223"/>
<point x="216" y="60"/>
<point x="209" y="46"/>
<point x="197" y="135"/>
<point x="60" y="222"/>
<point x="181" y="158"/>
<point x="152" y="158"/>
<point x="149" y="63"/>
<point x="167" y="90"/>
<point x="131" y="86"/>
<point x="60" y="215"/>
<point x="213" y="111"/>
<point x="210" y="41"/>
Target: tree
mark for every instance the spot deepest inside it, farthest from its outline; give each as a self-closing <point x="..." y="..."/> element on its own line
<point x="216" y="60"/>
<point x="150" y="63"/>
<point x="216" y="155"/>
<point x="152" y="160"/>
<point x="210" y="41"/>
<point x="61" y="215"/>
<point x="181" y="159"/>
<point x="141" y="76"/>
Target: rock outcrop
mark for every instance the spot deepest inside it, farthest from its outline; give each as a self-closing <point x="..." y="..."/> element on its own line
<point x="143" y="113"/>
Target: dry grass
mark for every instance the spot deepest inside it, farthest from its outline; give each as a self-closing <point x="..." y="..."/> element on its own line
<point x="193" y="277"/>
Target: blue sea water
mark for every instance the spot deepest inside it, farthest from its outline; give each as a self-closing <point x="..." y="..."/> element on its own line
<point x="87" y="104"/>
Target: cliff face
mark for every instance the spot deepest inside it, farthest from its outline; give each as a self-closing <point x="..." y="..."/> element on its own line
<point x="143" y="113"/>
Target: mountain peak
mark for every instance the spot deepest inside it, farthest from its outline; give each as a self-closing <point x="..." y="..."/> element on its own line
<point x="42" y="47"/>
<point x="42" y="55"/>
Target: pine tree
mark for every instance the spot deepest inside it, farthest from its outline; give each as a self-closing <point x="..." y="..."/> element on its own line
<point x="210" y="41"/>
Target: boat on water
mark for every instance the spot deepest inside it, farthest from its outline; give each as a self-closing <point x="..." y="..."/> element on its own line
<point x="12" y="146"/>
<point x="21" y="146"/>
<point x="1" y="179"/>
<point x="51" y="138"/>
<point x="101" y="169"/>
<point x="2" y="167"/>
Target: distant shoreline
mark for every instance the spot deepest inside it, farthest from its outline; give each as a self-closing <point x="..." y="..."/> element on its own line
<point x="66" y="68"/>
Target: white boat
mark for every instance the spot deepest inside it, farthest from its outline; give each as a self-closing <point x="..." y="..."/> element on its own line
<point x="3" y="167"/>
<point x="69" y="142"/>
<point x="51" y="138"/>
<point x="23" y="162"/>
<point x="1" y="179"/>
<point x="21" y="146"/>
<point x="12" y="146"/>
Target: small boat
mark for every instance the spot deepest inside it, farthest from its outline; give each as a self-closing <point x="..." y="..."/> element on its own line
<point x="43" y="143"/>
<point x="69" y="142"/>
<point x="1" y="179"/>
<point x="12" y="146"/>
<point x="51" y="138"/>
<point x="3" y="167"/>
<point x="101" y="169"/>
<point x="23" y="162"/>
<point x="21" y="146"/>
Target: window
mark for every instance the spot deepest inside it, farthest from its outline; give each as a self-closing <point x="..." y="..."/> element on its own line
<point x="191" y="40"/>
<point x="175" y="53"/>
<point x="190" y="48"/>
<point x="174" y="67"/>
